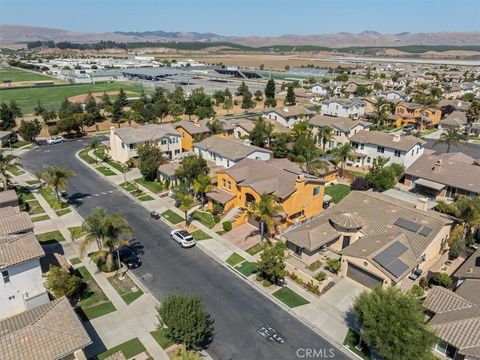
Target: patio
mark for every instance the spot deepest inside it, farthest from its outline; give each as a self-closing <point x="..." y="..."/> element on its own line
<point x="243" y="236"/>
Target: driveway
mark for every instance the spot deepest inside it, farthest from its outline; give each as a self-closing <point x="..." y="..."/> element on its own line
<point x="329" y="312"/>
<point x="243" y="236"/>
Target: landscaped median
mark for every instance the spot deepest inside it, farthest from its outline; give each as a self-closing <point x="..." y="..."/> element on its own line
<point x="135" y="191"/>
<point x="172" y="217"/>
<point x="289" y="297"/>
<point x="50" y="237"/>
<point x="244" y="267"/>
<point x="126" y="288"/>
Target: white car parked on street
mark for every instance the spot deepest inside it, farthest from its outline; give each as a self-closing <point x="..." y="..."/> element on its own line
<point x="55" y="140"/>
<point x="183" y="237"/>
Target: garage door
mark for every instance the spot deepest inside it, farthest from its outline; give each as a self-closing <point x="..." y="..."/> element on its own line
<point x="363" y="277"/>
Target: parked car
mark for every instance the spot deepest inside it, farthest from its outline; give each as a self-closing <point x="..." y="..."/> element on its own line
<point x="55" y="140"/>
<point x="129" y="258"/>
<point x="409" y="128"/>
<point x="183" y="237"/>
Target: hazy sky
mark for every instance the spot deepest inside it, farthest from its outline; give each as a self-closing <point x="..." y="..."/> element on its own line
<point x="246" y="17"/>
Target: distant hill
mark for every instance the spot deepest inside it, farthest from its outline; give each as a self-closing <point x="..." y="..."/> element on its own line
<point x="368" y="38"/>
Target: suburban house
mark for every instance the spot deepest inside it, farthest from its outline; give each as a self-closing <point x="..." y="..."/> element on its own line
<point x="455" y="318"/>
<point x="13" y="222"/>
<point x="300" y="194"/>
<point x="319" y="89"/>
<point x="227" y="152"/>
<point x="457" y="120"/>
<point x="192" y="131"/>
<point x="457" y="104"/>
<point x="243" y="127"/>
<point x="124" y="142"/>
<point x="288" y="116"/>
<point x="382" y="240"/>
<point x="444" y="176"/>
<point x="470" y="269"/>
<point x="353" y="108"/>
<point x="49" y="331"/>
<point x="343" y="128"/>
<point x="392" y="95"/>
<point x="368" y="145"/>
<point x="411" y="113"/>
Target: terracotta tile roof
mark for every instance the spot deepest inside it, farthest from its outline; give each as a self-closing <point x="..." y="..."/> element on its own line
<point x="470" y="269"/>
<point x="7" y="197"/>
<point x="404" y="143"/>
<point x="16" y="249"/>
<point x="16" y="224"/>
<point x="49" y="331"/>
<point x="131" y="135"/>
<point x="232" y="149"/>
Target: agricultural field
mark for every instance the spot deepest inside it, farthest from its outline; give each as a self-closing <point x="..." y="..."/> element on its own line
<point x="52" y="97"/>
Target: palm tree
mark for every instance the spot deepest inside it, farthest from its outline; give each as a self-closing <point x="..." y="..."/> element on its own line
<point x="382" y="109"/>
<point x="202" y="185"/>
<point x="467" y="210"/>
<point x="186" y="203"/>
<point x="56" y="178"/>
<point x="343" y="153"/>
<point x="6" y="160"/>
<point x="94" y="145"/>
<point x="267" y="211"/>
<point x="451" y="137"/>
<point x="325" y="134"/>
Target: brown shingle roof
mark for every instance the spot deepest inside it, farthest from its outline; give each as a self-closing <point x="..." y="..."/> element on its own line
<point x="404" y="143"/>
<point x="232" y="149"/>
<point x="8" y="197"/>
<point x="131" y="135"/>
<point x="49" y="331"/>
<point x="312" y="235"/>
<point x="16" y="224"/>
<point x="440" y="300"/>
<point x="16" y="249"/>
<point x="341" y="123"/>
<point x="454" y="171"/>
<point x="456" y="118"/>
<point x="292" y="111"/>
<point x="194" y="127"/>
<point x="470" y="268"/>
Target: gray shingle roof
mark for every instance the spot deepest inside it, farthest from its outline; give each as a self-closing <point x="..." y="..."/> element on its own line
<point x="8" y="197"/>
<point x="292" y="111"/>
<point x="456" y="118"/>
<point x="404" y="143"/>
<point x="16" y="249"/>
<point x="470" y="269"/>
<point x="341" y="123"/>
<point x="131" y="135"/>
<point x="194" y="127"/>
<point x="346" y="103"/>
<point x="47" y="332"/>
<point x="232" y="149"/>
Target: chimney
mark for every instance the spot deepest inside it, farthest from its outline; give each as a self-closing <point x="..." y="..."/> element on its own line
<point x="246" y="142"/>
<point x="438" y="165"/>
<point x="396" y="137"/>
<point x="422" y="204"/>
<point x="300" y="178"/>
<point x="112" y="130"/>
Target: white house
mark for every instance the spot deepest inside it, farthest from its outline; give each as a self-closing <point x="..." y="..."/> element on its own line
<point x="319" y="89"/>
<point x="227" y="152"/>
<point x="288" y="116"/>
<point x="403" y="150"/>
<point x="21" y="285"/>
<point x="353" y="108"/>
<point x="124" y="142"/>
<point x="391" y="95"/>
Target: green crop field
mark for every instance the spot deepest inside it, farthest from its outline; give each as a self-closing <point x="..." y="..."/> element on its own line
<point x="17" y="75"/>
<point x="52" y="97"/>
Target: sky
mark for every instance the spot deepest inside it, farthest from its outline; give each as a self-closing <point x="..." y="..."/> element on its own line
<point x="246" y="17"/>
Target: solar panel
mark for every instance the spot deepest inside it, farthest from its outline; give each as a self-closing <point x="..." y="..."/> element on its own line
<point x="397" y="268"/>
<point x="407" y="224"/>
<point x="388" y="259"/>
<point x="425" y="231"/>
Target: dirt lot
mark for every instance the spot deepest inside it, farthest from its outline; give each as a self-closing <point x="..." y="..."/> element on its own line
<point x="96" y="95"/>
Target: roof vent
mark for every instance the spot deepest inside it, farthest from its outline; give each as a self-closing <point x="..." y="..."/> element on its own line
<point x="285" y="109"/>
<point x="396" y="138"/>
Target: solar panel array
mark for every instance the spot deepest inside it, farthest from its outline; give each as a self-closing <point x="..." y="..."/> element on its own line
<point x="425" y="231"/>
<point x="413" y="226"/>
<point x="388" y="259"/>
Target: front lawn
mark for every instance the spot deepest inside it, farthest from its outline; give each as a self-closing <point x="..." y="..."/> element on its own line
<point x="234" y="259"/>
<point x="204" y="217"/>
<point x="85" y="157"/>
<point x="129" y="349"/>
<point x="128" y="186"/>
<point x="255" y="249"/>
<point x="15" y="170"/>
<point x="32" y="182"/>
<point x="126" y="288"/>
<point x="199" y="235"/>
<point x="153" y="186"/>
<point x="145" y="197"/>
<point x="75" y="261"/>
<point x="172" y="217"/>
<point x="24" y="193"/>
<point x="20" y="144"/>
<point x="100" y="153"/>
<point x="34" y="207"/>
<point x="52" y="236"/>
<point x="337" y="192"/>
<point x="63" y="211"/>
<point x="76" y="232"/>
<point x="246" y="268"/>
<point x="161" y="338"/>
<point x="51" y="198"/>
<point x="40" y="218"/>
<point x="105" y="171"/>
<point x="356" y="173"/>
<point x="351" y="342"/>
<point x="289" y="297"/>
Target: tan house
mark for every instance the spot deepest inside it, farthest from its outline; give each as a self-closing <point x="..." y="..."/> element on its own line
<point x="49" y="331"/>
<point x="382" y="240"/>
<point x="289" y="115"/>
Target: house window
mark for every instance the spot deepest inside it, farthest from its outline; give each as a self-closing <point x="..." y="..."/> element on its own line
<point x="369" y="159"/>
<point x="224" y="183"/>
<point x="164" y="142"/>
<point x="298" y="250"/>
<point x="132" y="146"/>
<point x="228" y="163"/>
<point x="381" y="149"/>
<point x="11" y="297"/>
<point x="418" y="149"/>
<point x="229" y="185"/>
<point x="123" y="145"/>
<point x="345" y="242"/>
<point x="6" y="276"/>
<point x="444" y="348"/>
<point x="362" y="146"/>
<point x="413" y="151"/>
<point x="177" y="152"/>
<point x="316" y="191"/>
<point x="398" y="153"/>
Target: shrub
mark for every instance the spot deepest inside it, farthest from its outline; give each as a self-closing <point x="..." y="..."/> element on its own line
<point x="417" y="291"/>
<point x="313" y="287"/>
<point x="298" y="281"/>
<point x="320" y="276"/>
<point x="216" y="218"/>
<point x="334" y="265"/>
<point x="315" y="265"/>
<point x="266" y="283"/>
<point x="456" y="249"/>
<point x="217" y="209"/>
<point x="258" y="277"/>
<point x="60" y="283"/>
<point x="227" y="225"/>
<point x="442" y="279"/>
<point x="359" y="183"/>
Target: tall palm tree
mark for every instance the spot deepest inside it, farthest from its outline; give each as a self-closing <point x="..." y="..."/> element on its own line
<point x="56" y="178"/>
<point x="343" y="153"/>
<point x="202" y="185"/>
<point x="6" y="160"/>
<point x="186" y="203"/>
<point x="382" y="109"/>
<point x="325" y="134"/>
<point x="467" y="210"/>
<point x="94" y="145"/>
<point x="267" y="211"/>
<point x="452" y="136"/>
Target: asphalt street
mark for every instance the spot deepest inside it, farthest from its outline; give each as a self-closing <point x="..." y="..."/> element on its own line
<point x="236" y="308"/>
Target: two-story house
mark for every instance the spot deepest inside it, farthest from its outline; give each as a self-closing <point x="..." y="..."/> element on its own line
<point x="289" y="116"/>
<point x="124" y="142"/>
<point x="368" y="145"/>
<point x="411" y="113"/>
<point x="319" y="89"/>
<point x="352" y="108"/>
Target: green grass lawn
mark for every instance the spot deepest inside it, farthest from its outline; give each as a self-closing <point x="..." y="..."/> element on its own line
<point x="85" y="157"/>
<point x="351" y="341"/>
<point x="172" y="216"/>
<point x="128" y="186"/>
<point x="153" y="186"/>
<point x="221" y="232"/>
<point x="234" y="259"/>
<point x="161" y="338"/>
<point x="34" y="207"/>
<point x="52" y="236"/>
<point x="129" y="349"/>
<point x="105" y="171"/>
<point x="24" y="193"/>
<point x="20" y="144"/>
<point x="126" y="288"/>
<point x="63" y="211"/>
<point x="40" y="218"/>
<point x="75" y="261"/>
<point x="52" y="97"/>
<point x="100" y="154"/>
<point x="356" y="173"/>
<point x="337" y="191"/>
<point x="51" y="198"/>
<point x="145" y="197"/>
<point x="290" y="298"/>
<point x="76" y="232"/>
<point x="17" y="75"/>
<point x="204" y="217"/>
<point x="255" y="249"/>
<point x="32" y="182"/>
<point x="246" y="268"/>
<point x="15" y="170"/>
<point x="199" y="235"/>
